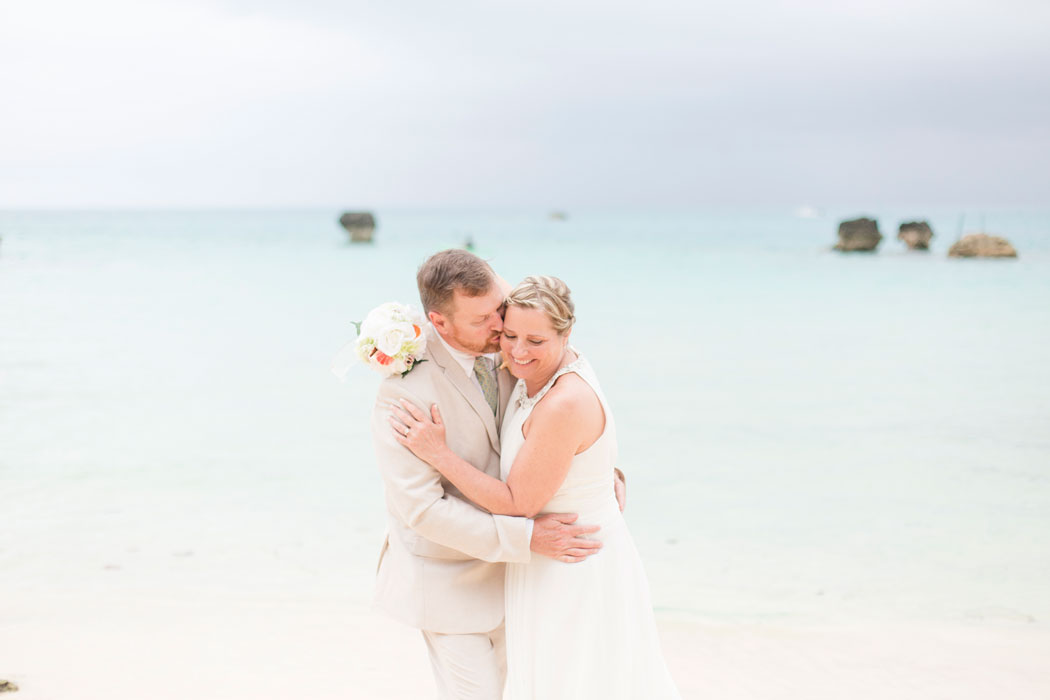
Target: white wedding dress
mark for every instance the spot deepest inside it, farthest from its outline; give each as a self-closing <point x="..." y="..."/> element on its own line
<point x="585" y="630"/>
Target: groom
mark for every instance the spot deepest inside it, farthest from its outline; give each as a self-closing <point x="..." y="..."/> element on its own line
<point x="441" y="566"/>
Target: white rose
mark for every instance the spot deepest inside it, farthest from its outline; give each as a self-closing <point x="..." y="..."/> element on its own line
<point x="374" y="322"/>
<point x="391" y="338"/>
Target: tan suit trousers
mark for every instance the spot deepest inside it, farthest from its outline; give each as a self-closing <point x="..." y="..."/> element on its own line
<point x="468" y="666"/>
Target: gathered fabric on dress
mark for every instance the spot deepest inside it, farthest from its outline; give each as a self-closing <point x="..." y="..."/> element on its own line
<point x="581" y="630"/>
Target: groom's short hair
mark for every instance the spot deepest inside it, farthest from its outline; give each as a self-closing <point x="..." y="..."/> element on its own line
<point x="445" y="272"/>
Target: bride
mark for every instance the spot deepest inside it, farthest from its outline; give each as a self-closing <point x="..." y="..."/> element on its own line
<point x="579" y="631"/>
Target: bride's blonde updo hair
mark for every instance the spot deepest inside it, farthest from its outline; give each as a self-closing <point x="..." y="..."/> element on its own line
<point x="548" y="294"/>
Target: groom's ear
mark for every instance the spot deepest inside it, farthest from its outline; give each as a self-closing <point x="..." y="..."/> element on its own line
<point x="437" y="320"/>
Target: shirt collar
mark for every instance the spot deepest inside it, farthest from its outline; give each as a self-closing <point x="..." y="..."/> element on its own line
<point x="465" y="359"/>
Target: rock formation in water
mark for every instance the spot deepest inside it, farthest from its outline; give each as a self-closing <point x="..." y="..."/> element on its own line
<point x="916" y="234"/>
<point x="361" y="225"/>
<point x="858" y="235"/>
<point x="981" y="245"/>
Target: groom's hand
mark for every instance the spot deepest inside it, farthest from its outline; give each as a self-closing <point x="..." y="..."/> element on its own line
<point x="555" y="536"/>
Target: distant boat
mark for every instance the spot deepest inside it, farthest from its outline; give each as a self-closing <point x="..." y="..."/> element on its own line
<point x="808" y="212"/>
<point x="558" y="216"/>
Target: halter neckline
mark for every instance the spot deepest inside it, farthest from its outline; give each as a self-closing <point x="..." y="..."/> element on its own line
<point x="522" y="393"/>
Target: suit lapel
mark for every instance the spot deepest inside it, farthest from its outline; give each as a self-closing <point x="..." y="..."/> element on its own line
<point x="456" y="377"/>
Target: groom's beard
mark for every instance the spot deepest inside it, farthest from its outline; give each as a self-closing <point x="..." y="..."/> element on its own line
<point x="488" y="348"/>
<point x="479" y="347"/>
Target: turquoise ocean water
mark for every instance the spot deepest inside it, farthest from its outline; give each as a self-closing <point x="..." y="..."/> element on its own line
<point x="805" y="434"/>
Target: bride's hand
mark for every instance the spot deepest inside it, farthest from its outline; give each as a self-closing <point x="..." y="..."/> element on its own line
<point x="413" y="429"/>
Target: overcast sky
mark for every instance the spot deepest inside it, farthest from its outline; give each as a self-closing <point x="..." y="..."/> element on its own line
<point x="504" y="103"/>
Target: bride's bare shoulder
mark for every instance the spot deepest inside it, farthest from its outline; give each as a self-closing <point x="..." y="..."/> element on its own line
<point x="571" y="396"/>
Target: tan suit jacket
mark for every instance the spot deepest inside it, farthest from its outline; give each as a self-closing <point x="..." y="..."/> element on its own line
<point x="441" y="567"/>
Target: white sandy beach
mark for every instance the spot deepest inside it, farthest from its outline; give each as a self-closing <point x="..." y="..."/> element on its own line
<point x="235" y="619"/>
<point x="223" y="647"/>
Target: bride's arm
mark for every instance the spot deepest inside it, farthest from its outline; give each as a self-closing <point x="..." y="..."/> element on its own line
<point x="558" y="427"/>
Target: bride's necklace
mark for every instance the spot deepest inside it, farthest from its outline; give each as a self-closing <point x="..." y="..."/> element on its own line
<point x="523" y="393"/>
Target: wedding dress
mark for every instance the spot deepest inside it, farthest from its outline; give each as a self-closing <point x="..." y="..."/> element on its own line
<point x="584" y="630"/>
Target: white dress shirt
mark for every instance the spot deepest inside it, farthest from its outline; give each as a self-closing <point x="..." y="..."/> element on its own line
<point x="466" y="361"/>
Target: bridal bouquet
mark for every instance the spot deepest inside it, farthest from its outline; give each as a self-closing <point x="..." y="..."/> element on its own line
<point x="390" y="340"/>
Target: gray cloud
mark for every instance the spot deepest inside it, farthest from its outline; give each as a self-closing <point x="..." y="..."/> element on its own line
<point x="535" y="104"/>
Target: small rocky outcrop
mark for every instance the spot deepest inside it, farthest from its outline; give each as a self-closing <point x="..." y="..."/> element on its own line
<point x="916" y="234"/>
<point x="7" y="687"/>
<point x="981" y="245"/>
<point x="858" y="235"/>
<point x="361" y="225"/>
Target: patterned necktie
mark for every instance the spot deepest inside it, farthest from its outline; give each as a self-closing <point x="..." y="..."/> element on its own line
<point x="483" y="371"/>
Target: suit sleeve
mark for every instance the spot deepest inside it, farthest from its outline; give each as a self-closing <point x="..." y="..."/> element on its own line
<point x="415" y="493"/>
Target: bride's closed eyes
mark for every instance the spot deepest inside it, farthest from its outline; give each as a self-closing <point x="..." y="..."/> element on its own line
<point x="533" y="341"/>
